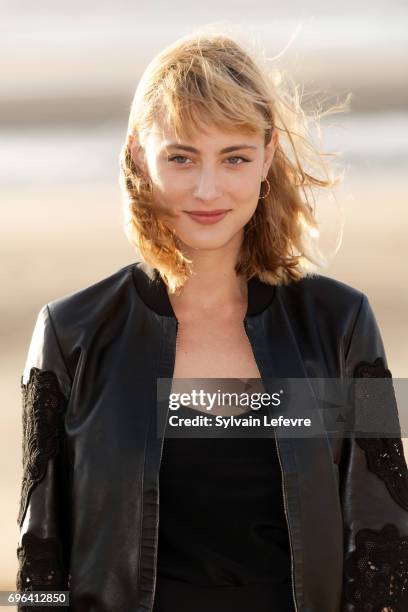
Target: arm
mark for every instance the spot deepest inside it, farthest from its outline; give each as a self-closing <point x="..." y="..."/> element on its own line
<point x="373" y="485"/>
<point x="43" y="549"/>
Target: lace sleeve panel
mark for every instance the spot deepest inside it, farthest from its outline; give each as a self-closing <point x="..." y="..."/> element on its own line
<point x="42" y="421"/>
<point x="377" y="567"/>
<point x="41" y="565"/>
<point x="41" y="568"/>
<point x="378" y="571"/>
<point x="384" y="456"/>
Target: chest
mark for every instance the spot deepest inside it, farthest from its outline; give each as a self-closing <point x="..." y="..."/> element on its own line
<point x="214" y="349"/>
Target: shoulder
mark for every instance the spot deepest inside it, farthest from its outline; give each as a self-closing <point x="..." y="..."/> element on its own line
<point x="93" y="315"/>
<point x="95" y="296"/>
<point x="323" y="290"/>
<point x="79" y="315"/>
<point x="323" y="299"/>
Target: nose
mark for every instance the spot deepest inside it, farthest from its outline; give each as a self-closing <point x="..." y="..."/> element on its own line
<point x="207" y="188"/>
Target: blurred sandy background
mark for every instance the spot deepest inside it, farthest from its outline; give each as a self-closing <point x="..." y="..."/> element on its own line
<point x="68" y="74"/>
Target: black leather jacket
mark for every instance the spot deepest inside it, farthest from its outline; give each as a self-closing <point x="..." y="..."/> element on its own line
<point x="90" y="492"/>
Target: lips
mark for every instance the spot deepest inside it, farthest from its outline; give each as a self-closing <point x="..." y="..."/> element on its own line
<point x="207" y="217"/>
<point x="205" y="213"/>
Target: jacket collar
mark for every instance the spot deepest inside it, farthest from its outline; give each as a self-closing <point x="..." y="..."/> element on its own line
<point x="153" y="291"/>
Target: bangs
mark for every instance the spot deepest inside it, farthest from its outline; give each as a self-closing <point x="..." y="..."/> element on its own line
<point x="209" y="95"/>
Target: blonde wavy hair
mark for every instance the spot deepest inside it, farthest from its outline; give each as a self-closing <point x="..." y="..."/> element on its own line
<point x="212" y="79"/>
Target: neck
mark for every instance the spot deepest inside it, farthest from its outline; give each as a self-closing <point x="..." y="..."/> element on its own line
<point x="214" y="284"/>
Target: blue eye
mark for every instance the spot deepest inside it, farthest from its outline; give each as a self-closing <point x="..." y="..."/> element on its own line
<point x="238" y="157"/>
<point x="174" y="157"/>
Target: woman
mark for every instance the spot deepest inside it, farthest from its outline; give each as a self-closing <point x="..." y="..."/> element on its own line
<point x="218" y="206"/>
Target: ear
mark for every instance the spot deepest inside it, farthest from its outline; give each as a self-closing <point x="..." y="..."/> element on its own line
<point x="270" y="151"/>
<point x="136" y="151"/>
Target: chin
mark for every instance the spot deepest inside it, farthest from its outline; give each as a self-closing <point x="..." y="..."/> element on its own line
<point x="205" y="243"/>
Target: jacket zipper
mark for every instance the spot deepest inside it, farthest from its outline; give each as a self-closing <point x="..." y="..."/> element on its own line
<point x="158" y="491"/>
<point x="287" y="522"/>
<point x="283" y="492"/>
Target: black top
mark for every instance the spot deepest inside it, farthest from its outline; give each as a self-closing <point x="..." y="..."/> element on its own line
<point x="223" y="539"/>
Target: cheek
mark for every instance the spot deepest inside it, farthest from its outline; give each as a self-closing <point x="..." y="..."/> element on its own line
<point x="244" y="181"/>
<point x="245" y="191"/>
<point x="170" y="184"/>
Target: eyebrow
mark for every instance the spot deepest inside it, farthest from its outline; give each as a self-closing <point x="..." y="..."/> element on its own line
<point x="182" y="147"/>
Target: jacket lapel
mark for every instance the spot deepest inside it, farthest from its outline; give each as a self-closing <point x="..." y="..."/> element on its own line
<point x="310" y="483"/>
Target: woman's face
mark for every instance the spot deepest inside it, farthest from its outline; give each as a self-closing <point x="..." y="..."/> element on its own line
<point x="214" y="170"/>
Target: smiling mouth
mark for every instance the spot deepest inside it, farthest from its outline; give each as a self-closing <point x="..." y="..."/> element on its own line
<point x="212" y="213"/>
<point x="207" y="217"/>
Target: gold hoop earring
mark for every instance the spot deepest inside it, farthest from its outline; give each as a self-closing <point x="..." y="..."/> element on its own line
<point x="269" y="189"/>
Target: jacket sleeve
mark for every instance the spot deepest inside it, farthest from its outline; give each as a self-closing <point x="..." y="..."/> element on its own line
<point x="43" y="517"/>
<point x="373" y="481"/>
